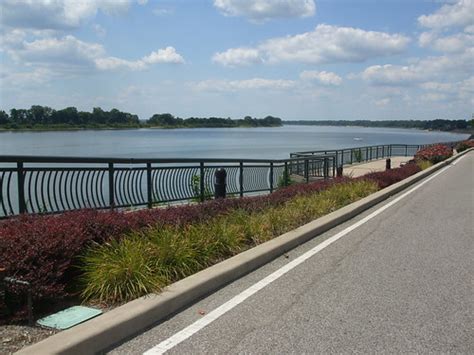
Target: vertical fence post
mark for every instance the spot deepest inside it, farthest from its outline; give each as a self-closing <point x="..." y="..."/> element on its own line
<point x="370" y="153"/>
<point x="334" y="163"/>
<point x="241" y="179"/>
<point x="325" y="168"/>
<point x="383" y="151"/>
<point x="406" y="150"/>
<point x="271" y="177"/>
<point x="286" y="176"/>
<point x="201" y="181"/>
<point x="306" y="170"/>
<point x="352" y="153"/>
<point x="148" y="186"/>
<point x="21" y="187"/>
<point x="111" y="186"/>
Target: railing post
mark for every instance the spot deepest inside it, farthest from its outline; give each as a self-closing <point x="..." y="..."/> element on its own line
<point x="325" y="168"/>
<point x="111" y="186"/>
<point x="271" y="177"/>
<point x="306" y="170"/>
<point x="241" y="179"/>
<point x="352" y="153"/>
<point x="148" y="185"/>
<point x="371" y="153"/>
<point x="406" y="150"/>
<point x="201" y="181"/>
<point x="286" y="176"/>
<point x="334" y="163"/>
<point x="383" y="151"/>
<point x="21" y="187"/>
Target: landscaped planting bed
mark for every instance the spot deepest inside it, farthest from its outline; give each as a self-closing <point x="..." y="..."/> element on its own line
<point x="112" y="257"/>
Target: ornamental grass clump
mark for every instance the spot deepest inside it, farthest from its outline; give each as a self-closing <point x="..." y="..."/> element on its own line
<point x="116" y="271"/>
<point x="434" y="153"/>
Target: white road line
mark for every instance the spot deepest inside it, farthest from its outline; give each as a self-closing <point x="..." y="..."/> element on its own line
<point x="458" y="160"/>
<point x="192" y="329"/>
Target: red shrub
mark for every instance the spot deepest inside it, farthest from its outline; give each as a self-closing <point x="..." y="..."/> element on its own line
<point x="389" y="177"/>
<point x="465" y="145"/>
<point x="434" y="154"/>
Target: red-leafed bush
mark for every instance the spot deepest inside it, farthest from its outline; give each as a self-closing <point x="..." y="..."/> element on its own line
<point x="392" y="176"/>
<point x="461" y="146"/>
<point x="434" y="154"/>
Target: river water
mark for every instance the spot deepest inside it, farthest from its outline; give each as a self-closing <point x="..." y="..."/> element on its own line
<point x="266" y="143"/>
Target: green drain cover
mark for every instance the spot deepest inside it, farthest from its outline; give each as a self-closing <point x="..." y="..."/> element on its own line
<point x="69" y="317"/>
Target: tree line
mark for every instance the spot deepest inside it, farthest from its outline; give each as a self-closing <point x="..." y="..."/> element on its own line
<point x="438" y="124"/>
<point x="41" y="117"/>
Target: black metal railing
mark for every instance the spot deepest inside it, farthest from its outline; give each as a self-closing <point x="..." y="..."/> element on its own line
<point x="367" y="153"/>
<point x="37" y="184"/>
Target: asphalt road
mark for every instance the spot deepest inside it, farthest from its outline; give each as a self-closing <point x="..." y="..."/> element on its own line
<point x="402" y="282"/>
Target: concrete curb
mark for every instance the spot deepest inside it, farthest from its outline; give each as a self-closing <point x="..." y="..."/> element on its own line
<point x="122" y="322"/>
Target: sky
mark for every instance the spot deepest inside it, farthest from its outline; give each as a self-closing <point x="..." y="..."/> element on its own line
<point x="294" y="59"/>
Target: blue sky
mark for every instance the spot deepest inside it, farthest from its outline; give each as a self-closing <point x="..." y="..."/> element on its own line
<point x="295" y="59"/>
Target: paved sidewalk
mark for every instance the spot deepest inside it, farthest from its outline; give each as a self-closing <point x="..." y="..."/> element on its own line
<point x="356" y="170"/>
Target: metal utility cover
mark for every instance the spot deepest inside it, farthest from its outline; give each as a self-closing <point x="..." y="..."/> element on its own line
<point x="69" y="317"/>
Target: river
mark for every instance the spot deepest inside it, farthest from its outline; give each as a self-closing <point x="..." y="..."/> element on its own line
<point x="275" y="142"/>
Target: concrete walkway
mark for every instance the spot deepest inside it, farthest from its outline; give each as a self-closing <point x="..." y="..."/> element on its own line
<point x="356" y="170"/>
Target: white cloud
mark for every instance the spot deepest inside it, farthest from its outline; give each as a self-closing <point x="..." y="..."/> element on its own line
<point x="449" y="68"/>
<point x="433" y="97"/>
<point x="237" y="57"/>
<point x="458" y="14"/>
<point x="167" y="55"/>
<point x="264" y="10"/>
<point x="58" y="14"/>
<point x="449" y="44"/>
<point x="248" y="84"/>
<point x="383" y="102"/>
<point x="391" y="75"/>
<point x="322" y="77"/>
<point x="326" y="44"/>
<point x="99" y="30"/>
<point x="161" y="11"/>
<point x="72" y="55"/>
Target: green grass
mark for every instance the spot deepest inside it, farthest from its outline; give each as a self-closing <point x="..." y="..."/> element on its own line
<point x="424" y="164"/>
<point x="144" y="262"/>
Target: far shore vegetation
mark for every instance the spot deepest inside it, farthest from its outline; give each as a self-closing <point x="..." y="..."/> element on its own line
<point x="42" y="118"/>
<point x="46" y="118"/>
<point x="435" y="125"/>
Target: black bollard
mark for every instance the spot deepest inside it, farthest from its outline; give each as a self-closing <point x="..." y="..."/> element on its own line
<point x="388" y="164"/>
<point x="339" y="171"/>
<point x="220" y="183"/>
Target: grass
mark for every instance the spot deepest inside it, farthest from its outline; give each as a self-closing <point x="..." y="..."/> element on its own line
<point x="144" y="262"/>
<point x="424" y="164"/>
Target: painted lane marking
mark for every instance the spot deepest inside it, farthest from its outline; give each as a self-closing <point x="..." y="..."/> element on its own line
<point x="458" y="160"/>
<point x="195" y="327"/>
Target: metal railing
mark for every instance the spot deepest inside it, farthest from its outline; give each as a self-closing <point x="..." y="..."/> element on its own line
<point x="367" y="153"/>
<point x="38" y="184"/>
